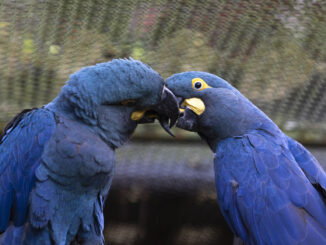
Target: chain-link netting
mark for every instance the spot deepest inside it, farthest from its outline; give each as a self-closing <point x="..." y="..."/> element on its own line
<point x="272" y="51"/>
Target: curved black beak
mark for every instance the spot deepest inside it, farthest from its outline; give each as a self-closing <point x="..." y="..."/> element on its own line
<point x="167" y="109"/>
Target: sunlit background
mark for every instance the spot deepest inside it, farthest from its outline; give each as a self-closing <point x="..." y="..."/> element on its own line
<point x="274" y="52"/>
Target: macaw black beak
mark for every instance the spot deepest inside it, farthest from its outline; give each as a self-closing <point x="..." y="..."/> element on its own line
<point x="166" y="111"/>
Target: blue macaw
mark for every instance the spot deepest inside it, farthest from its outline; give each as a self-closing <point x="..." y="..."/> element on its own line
<point x="270" y="189"/>
<point x="57" y="162"/>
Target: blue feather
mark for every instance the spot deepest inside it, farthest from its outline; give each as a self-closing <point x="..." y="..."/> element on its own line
<point x="281" y="188"/>
<point x="20" y="153"/>
<point x="283" y="197"/>
<point x="57" y="163"/>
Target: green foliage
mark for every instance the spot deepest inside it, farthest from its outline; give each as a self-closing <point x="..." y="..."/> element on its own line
<point x="279" y="64"/>
<point x="267" y="49"/>
<point x="185" y="50"/>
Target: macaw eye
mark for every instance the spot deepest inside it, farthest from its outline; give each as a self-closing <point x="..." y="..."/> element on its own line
<point x="199" y="84"/>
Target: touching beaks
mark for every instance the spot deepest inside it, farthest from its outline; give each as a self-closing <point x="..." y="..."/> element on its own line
<point x="166" y="111"/>
<point x="168" y="108"/>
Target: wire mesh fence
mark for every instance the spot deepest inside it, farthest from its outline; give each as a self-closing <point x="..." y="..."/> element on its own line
<point x="272" y="51"/>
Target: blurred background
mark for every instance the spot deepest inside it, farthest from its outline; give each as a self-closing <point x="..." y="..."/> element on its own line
<point x="273" y="51"/>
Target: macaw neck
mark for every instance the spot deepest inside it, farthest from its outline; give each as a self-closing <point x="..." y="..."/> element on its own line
<point x="111" y="123"/>
<point x="61" y="107"/>
<point x="114" y="124"/>
<point x="234" y="116"/>
<point x="213" y="140"/>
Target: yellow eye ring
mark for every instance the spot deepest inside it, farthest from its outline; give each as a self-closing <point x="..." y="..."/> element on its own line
<point x="199" y="84"/>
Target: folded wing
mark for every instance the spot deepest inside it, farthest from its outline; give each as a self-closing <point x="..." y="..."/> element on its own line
<point x="21" y="148"/>
<point x="267" y="190"/>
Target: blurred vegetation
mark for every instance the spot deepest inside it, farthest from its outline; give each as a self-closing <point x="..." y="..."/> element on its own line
<point x="177" y="55"/>
<point x="272" y="51"/>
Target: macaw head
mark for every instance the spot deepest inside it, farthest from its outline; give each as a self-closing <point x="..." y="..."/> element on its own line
<point x="212" y="107"/>
<point x="114" y="97"/>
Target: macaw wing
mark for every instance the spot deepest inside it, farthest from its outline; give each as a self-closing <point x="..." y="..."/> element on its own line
<point x="21" y="148"/>
<point x="264" y="194"/>
<point x="309" y="165"/>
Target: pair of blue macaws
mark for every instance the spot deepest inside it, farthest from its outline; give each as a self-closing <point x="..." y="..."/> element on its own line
<point x="57" y="162"/>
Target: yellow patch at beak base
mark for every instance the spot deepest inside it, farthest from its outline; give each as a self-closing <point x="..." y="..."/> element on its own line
<point x="137" y="115"/>
<point x="195" y="104"/>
